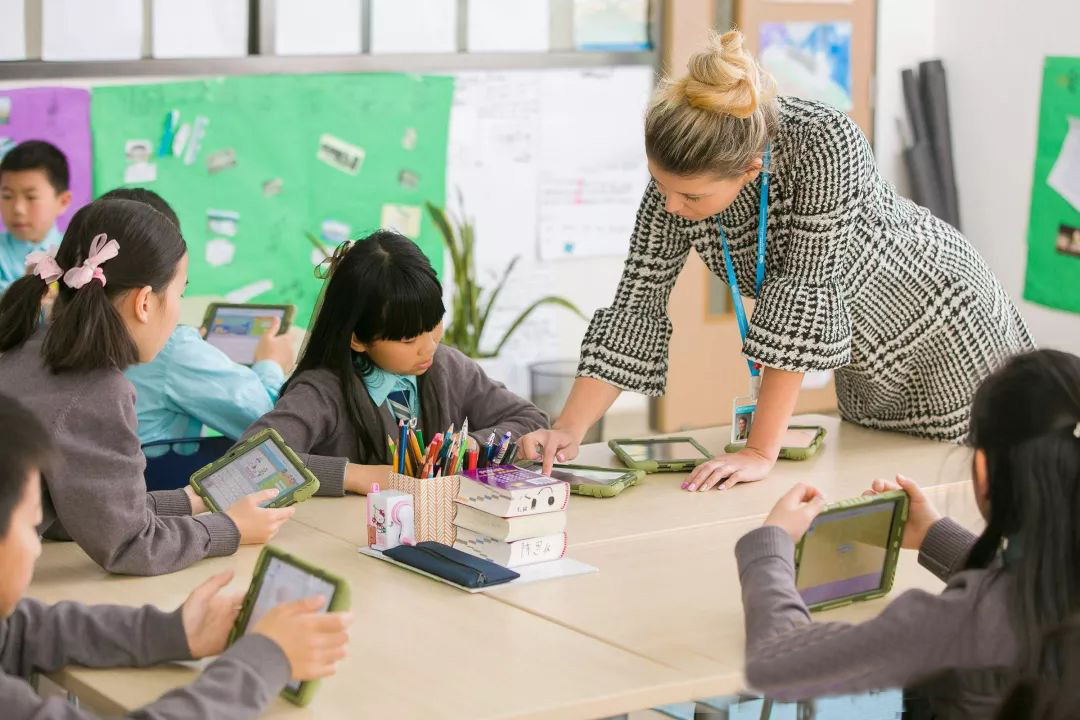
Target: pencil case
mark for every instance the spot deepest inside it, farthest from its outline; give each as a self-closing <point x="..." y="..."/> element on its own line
<point x="433" y="505"/>
<point x="454" y="566"/>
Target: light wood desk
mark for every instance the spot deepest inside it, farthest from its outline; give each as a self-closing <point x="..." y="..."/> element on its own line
<point x="675" y="596"/>
<point x="851" y="458"/>
<point x="418" y="648"/>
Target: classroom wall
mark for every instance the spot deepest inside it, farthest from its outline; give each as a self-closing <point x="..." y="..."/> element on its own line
<point x="993" y="53"/>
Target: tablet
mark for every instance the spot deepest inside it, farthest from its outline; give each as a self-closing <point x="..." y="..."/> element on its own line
<point x="674" y="454"/>
<point x="596" y="481"/>
<point x="236" y="329"/>
<point x="281" y="578"/>
<point x="850" y="551"/>
<point x="260" y="463"/>
<point x="800" y="442"/>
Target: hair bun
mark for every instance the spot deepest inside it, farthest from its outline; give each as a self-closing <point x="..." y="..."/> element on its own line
<point x="725" y="78"/>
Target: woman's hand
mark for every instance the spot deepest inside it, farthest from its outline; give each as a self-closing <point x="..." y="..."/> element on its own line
<point x="921" y="512"/>
<point x="549" y="446"/>
<point x="208" y="615"/>
<point x="747" y="465"/>
<point x="796" y="510"/>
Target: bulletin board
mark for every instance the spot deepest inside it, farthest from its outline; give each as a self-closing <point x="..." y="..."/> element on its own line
<point x="1053" y="262"/>
<point x="254" y="165"/>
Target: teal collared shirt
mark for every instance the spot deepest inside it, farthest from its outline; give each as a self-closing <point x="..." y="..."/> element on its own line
<point x="380" y="383"/>
<point x="13" y="254"/>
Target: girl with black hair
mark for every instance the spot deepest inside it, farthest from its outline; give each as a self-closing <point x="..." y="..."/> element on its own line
<point x="1007" y="588"/>
<point x="374" y="358"/>
<point x="121" y="269"/>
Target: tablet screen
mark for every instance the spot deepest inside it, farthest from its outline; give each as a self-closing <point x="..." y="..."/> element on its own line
<point x="260" y="468"/>
<point x="799" y="437"/>
<point x="844" y="553"/>
<point x="579" y="476"/>
<point x="236" y="330"/>
<point x="662" y="451"/>
<point x="283" y="583"/>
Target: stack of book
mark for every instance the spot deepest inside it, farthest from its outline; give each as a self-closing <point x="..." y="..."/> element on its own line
<point x="511" y="516"/>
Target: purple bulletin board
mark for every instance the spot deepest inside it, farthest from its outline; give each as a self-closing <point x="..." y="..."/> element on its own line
<point x="59" y="115"/>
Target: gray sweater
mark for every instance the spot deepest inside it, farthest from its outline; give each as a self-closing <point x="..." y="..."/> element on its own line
<point x="42" y="638"/>
<point x="96" y="494"/>
<point x="955" y="648"/>
<point x="313" y="419"/>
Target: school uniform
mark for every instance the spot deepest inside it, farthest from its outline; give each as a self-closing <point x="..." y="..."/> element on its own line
<point x="313" y="419"/>
<point x="13" y="252"/>
<point x="96" y="494"/>
<point x="192" y="384"/>
<point x="44" y="638"/>
<point x="956" y="648"/>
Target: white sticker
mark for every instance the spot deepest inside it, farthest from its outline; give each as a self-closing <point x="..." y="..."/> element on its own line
<point x="334" y="232"/>
<point x="221" y="160"/>
<point x="194" y="145"/>
<point x="137" y="151"/>
<point x="339" y="154"/>
<point x="249" y="292"/>
<point x="138" y="173"/>
<point x="222" y="222"/>
<point x="219" y="251"/>
<point x="317" y="256"/>
<point x="408" y="140"/>
<point x="180" y="139"/>
<point x="403" y="218"/>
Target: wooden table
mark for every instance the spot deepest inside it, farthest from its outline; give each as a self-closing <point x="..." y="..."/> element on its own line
<point x="661" y="622"/>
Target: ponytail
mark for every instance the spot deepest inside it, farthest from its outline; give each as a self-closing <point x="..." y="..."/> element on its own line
<point x="20" y="311"/>
<point x="111" y="247"/>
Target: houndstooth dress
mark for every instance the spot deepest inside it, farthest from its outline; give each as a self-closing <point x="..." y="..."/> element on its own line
<point x="857" y="280"/>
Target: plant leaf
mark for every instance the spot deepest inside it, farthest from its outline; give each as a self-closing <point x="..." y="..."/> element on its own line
<point x="495" y="294"/>
<point x="549" y="300"/>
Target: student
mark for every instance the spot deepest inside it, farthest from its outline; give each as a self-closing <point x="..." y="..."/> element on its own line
<point x="191" y="384"/>
<point x="373" y="358"/>
<point x="292" y="640"/>
<point x="1006" y="588"/>
<point x="33" y="194"/>
<point x="122" y="267"/>
<point x="1055" y="698"/>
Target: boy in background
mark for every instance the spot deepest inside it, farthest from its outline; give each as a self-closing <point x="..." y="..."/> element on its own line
<point x="34" y="192"/>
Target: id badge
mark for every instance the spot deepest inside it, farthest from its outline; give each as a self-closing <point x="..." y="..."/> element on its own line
<point x="742" y="418"/>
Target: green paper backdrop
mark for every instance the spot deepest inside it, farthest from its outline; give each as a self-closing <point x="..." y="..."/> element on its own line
<point x="1053" y="277"/>
<point x="274" y="125"/>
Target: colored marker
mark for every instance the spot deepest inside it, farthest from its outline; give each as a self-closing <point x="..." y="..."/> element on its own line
<point x="503" y="445"/>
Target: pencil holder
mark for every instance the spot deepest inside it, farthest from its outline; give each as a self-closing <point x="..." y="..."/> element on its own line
<point x="433" y="505"/>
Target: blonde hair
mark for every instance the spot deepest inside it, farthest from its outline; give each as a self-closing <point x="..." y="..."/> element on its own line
<point x="717" y="118"/>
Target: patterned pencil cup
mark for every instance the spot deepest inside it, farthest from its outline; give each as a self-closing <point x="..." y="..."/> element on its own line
<point x="433" y="505"/>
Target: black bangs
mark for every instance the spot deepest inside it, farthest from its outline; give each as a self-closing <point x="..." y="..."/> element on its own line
<point x="412" y="305"/>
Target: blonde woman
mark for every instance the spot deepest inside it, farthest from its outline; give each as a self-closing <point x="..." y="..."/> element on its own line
<point x="855" y="278"/>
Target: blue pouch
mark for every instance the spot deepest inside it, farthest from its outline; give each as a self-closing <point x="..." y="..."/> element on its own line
<point x="455" y="566"/>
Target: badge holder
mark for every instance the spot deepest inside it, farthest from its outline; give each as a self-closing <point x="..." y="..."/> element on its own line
<point x="742" y="418"/>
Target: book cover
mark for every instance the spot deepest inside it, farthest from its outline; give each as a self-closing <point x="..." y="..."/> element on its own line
<point x="512" y="554"/>
<point x="510" y="491"/>
<point x="508" y="529"/>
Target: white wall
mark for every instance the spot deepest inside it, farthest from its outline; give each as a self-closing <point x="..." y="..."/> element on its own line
<point x="993" y="53"/>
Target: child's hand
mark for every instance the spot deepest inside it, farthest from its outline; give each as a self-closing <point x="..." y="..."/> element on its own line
<point x="257" y="525"/>
<point x="921" y="512"/>
<point x="796" y="510"/>
<point x="312" y="641"/>
<point x="747" y="465"/>
<point x="548" y="446"/>
<point x="198" y="505"/>
<point x="278" y="348"/>
<point x="208" y="615"/>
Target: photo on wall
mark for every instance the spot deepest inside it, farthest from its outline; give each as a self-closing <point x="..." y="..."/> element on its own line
<point x="810" y="60"/>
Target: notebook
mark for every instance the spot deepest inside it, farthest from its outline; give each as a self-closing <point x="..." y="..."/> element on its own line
<point x="510" y="491"/>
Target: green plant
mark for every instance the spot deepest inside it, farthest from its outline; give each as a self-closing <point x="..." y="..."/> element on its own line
<point x="470" y="306"/>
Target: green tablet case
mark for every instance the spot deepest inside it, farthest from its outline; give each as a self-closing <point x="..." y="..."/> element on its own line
<point x="791" y="453"/>
<point x="339" y="602"/>
<point x="892" y="552"/>
<point x="654" y="466"/>
<point x="630" y="477"/>
<point x="309" y="488"/>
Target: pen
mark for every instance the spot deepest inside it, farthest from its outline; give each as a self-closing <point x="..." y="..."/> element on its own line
<point x="485" y="452"/>
<point x="402" y="446"/>
<point x="503" y="445"/>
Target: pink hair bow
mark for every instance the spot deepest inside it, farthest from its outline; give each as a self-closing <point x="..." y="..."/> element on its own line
<point x="43" y="264"/>
<point x="101" y="250"/>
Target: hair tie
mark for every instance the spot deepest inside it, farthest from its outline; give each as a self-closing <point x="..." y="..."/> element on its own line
<point x="43" y="264"/>
<point x="101" y="250"/>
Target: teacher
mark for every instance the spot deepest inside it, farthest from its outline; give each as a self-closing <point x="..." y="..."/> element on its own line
<point x="847" y="275"/>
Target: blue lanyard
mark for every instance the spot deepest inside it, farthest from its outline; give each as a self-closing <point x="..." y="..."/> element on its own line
<point x="733" y="283"/>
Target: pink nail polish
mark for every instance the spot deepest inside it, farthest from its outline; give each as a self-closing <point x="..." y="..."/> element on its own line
<point x="685" y="485"/>
<point x="691" y="488"/>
